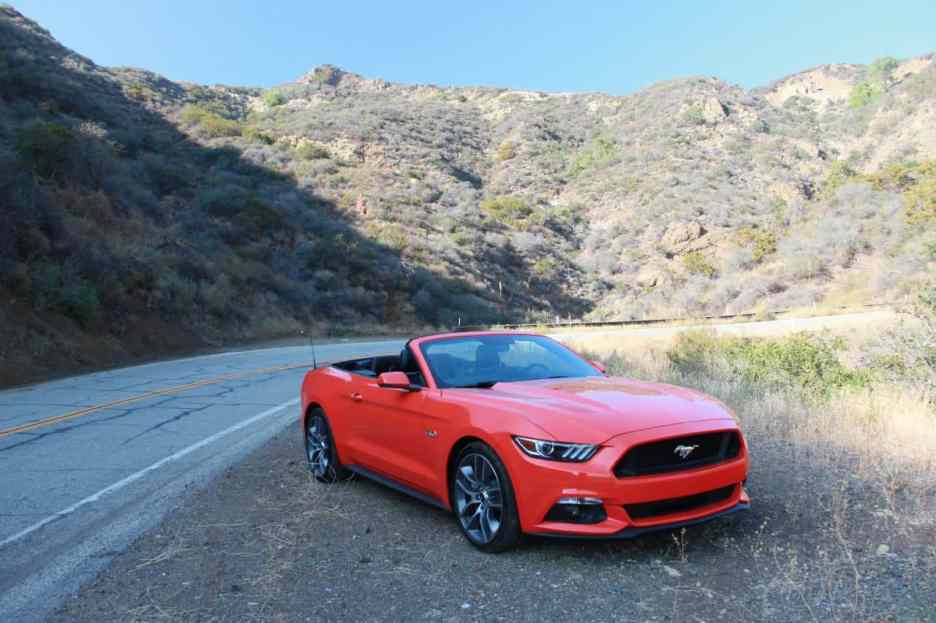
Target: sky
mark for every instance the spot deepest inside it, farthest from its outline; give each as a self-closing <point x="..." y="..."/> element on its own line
<point x="614" y="47"/>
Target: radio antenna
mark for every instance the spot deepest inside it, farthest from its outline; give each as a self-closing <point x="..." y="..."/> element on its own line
<point x="312" y="344"/>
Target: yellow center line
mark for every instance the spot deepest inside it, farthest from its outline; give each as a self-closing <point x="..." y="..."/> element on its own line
<point x="55" y="419"/>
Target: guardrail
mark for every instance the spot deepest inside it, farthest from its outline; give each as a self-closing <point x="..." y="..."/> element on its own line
<point x="650" y="321"/>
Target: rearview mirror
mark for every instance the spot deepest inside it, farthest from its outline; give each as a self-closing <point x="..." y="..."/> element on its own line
<point x="598" y="366"/>
<point x="396" y="380"/>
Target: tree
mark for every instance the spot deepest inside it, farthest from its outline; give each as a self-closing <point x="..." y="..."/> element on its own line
<point x="882" y="69"/>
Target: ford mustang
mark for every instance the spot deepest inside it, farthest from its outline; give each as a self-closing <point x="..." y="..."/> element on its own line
<point x="515" y="433"/>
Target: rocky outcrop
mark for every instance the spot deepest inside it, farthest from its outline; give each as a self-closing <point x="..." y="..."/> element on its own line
<point x="679" y="237"/>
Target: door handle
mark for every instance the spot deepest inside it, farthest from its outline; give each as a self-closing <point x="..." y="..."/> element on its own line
<point x="356" y="397"/>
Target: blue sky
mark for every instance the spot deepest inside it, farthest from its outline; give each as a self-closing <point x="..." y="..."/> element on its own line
<point x="616" y="47"/>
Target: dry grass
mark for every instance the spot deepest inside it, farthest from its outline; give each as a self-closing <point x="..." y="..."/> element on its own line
<point x="851" y="481"/>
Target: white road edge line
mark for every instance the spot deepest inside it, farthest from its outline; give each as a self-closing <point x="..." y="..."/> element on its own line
<point x="120" y="484"/>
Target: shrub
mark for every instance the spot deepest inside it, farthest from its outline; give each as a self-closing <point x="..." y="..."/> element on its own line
<point x="696" y="264"/>
<point x="208" y="123"/>
<point x="600" y="152"/>
<point x="45" y="147"/>
<point x="506" y="151"/>
<point x="929" y="249"/>
<point x="273" y="98"/>
<point x="79" y="299"/>
<point x="863" y="94"/>
<point x="545" y="267"/>
<point x="907" y="353"/>
<point x="311" y="151"/>
<point x="506" y="209"/>
<point x="694" y="115"/>
<point x="256" y="135"/>
<point x="258" y="219"/>
<point x="801" y="360"/>
<point x="920" y="202"/>
<point x="762" y="242"/>
<point x="839" y="174"/>
<point x="882" y="69"/>
<point x="916" y="182"/>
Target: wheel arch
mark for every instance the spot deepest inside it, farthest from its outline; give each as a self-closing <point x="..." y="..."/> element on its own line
<point x="450" y="462"/>
<point x="312" y="406"/>
<point x="463" y="441"/>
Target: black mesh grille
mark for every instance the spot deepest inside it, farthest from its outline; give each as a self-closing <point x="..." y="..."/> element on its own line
<point x="678" y="505"/>
<point x="662" y="456"/>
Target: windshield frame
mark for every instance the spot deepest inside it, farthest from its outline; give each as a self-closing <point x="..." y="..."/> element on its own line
<point x="439" y="383"/>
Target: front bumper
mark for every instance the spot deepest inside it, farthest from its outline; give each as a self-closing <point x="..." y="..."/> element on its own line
<point x="539" y="484"/>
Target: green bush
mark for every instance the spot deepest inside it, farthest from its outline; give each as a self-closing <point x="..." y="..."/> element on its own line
<point x="880" y="77"/>
<point x="763" y="242"/>
<point x="696" y="264"/>
<point x="79" y="299"/>
<point x="55" y="289"/>
<point x="802" y="360"/>
<point x="840" y="174"/>
<point x="506" y="151"/>
<point x="882" y="69"/>
<point x="311" y="151"/>
<point x="45" y="147"/>
<point x="929" y="249"/>
<point x="920" y="203"/>
<point x="600" y="152"/>
<point x="694" y="116"/>
<point x="509" y="210"/>
<point x="545" y="267"/>
<point x="863" y="94"/>
<point x="273" y="98"/>
<point x="208" y="123"/>
<point x="257" y="219"/>
<point x="256" y="135"/>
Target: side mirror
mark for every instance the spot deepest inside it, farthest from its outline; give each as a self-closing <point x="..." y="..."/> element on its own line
<point x="598" y="366"/>
<point x="396" y="380"/>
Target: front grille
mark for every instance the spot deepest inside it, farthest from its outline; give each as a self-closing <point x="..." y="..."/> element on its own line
<point x="661" y="456"/>
<point x="678" y="505"/>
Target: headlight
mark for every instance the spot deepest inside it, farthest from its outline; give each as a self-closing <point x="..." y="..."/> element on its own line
<point x="556" y="450"/>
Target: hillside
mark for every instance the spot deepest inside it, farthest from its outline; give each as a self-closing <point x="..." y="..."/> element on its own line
<point x="148" y="216"/>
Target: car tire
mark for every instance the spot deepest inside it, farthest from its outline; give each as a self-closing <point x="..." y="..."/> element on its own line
<point x="321" y="453"/>
<point x="475" y="498"/>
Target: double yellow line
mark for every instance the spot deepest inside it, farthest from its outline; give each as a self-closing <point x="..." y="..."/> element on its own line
<point x="55" y="419"/>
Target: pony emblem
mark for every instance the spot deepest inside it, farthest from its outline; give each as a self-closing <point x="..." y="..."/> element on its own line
<point x="684" y="451"/>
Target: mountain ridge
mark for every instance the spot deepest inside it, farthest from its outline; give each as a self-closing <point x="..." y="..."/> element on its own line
<point x="218" y="213"/>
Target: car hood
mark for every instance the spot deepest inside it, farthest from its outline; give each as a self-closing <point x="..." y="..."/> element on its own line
<point x="594" y="409"/>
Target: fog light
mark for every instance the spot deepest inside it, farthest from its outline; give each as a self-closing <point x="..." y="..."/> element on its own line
<point x="577" y="510"/>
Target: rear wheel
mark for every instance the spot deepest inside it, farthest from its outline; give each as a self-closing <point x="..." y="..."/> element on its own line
<point x="483" y="499"/>
<point x="320" y="450"/>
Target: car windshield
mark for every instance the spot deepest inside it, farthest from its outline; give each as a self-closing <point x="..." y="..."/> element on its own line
<point x="483" y="360"/>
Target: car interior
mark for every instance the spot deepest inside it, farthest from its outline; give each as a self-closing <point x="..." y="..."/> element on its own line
<point x="375" y="366"/>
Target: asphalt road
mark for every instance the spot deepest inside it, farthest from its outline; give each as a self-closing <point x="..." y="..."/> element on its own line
<point x="89" y="463"/>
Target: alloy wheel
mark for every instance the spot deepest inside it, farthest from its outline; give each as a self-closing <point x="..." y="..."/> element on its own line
<point x="318" y="446"/>
<point x="478" y="498"/>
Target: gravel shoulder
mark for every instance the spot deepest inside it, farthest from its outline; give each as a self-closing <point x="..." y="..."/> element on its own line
<point x="264" y="542"/>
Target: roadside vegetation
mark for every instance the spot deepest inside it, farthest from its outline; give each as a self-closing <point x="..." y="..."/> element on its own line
<point x="843" y="475"/>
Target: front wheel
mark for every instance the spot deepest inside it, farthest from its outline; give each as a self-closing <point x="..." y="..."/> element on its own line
<point x="320" y="450"/>
<point x="483" y="499"/>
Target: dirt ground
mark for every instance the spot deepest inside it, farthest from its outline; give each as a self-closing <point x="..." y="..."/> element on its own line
<point x="267" y="543"/>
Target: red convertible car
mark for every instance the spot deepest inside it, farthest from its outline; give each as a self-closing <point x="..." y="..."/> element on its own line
<point x="515" y="433"/>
